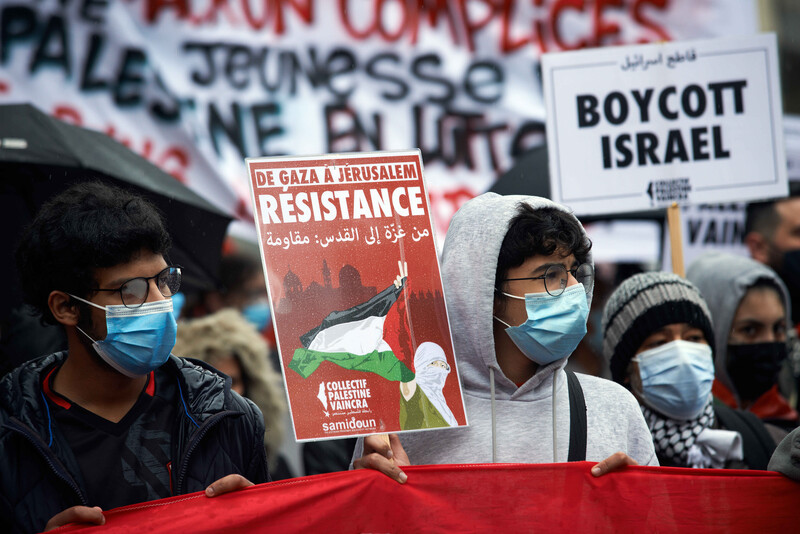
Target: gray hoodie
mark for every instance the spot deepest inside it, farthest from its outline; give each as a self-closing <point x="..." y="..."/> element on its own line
<point x="723" y="279"/>
<point x="523" y="416"/>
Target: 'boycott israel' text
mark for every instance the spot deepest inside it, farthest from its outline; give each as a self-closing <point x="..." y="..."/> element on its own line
<point x="692" y="101"/>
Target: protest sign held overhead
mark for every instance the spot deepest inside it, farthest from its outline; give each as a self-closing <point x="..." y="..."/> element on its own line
<point x="355" y="287"/>
<point x="639" y="127"/>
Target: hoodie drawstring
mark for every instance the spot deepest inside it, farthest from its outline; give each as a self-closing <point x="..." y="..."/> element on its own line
<point x="494" y="433"/>
<point x="555" y="439"/>
<point x="494" y="425"/>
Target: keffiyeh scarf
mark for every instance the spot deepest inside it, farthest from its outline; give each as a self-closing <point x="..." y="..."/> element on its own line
<point x="673" y="439"/>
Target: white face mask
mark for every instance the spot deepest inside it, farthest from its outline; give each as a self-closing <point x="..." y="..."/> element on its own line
<point x="433" y="376"/>
<point x="677" y="378"/>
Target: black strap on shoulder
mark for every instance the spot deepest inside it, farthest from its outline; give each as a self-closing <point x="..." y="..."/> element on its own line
<point x="757" y="444"/>
<point x="577" y="419"/>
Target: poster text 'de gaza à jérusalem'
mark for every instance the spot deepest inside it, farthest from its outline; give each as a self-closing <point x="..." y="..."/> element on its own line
<point x="356" y="293"/>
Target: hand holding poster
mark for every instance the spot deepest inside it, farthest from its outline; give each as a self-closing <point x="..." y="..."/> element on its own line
<point x="355" y="288"/>
<point x="636" y="127"/>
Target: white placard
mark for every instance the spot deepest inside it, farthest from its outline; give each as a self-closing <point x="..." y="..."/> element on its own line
<point x="718" y="227"/>
<point x="791" y="131"/>
<point x="621" y="241"/>
<point x="638" y="127"/>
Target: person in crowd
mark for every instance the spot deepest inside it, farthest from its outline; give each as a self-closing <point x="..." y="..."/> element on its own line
<point x="242" y="286"/>
<point x="115" y="419"/>
<point x="231" y="344"/>
<point x="786" y="458"/>
<point x="518" y="277"/>
<point x="658" y="337"/>
<point x="772" y="235"/>
<point x="327" y="456"/>
<point x="23" y="337"/>
<point x="750" y="306"/>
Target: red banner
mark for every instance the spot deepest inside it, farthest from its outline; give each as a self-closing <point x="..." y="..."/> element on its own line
<point x="484" y="498"/>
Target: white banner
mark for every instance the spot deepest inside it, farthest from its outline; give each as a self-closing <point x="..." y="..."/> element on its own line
<point x="631" y="128"/>
<point x="625" y="241"/>
<point x="197" y="86"/>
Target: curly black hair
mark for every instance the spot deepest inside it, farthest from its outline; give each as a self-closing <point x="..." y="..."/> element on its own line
<point x="89" y="226"/>
<point x="540" y="232"/>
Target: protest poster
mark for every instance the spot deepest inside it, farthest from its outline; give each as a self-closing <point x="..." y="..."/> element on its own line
<point x="639" y="127"/>
<point x="357" y="302"/>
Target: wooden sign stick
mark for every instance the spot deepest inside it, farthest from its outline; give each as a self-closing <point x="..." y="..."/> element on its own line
<point x="385" y="439"/>
<point x="675" y="239"/>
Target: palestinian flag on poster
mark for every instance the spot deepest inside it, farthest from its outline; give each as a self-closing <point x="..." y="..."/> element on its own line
<point x="353" y="339"/>
<point x="331" y="238"/>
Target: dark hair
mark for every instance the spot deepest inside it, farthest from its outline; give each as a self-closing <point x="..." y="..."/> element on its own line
<point x="91" y="225"/>
<point x="761" y="217"/>
<point x="540" y="232"/>
<point x="235" y="270"/>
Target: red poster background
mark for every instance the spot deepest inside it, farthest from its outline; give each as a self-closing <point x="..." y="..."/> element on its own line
<point x="485" y="498"/>
<point x="308" y="281"/>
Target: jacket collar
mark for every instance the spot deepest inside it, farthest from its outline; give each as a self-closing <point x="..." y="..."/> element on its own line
<point x="204" y="390"/>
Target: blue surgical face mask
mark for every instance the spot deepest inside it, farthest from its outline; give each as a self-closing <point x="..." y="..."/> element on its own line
<point x="178" y="300"/>
<point x="677" y="378"/>
<point x="138" y="340"/>
<point x="258" y="314"/>
<point x="554" y="327"/>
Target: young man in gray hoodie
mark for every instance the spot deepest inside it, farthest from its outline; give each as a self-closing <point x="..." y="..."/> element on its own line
<point x="517" y="310"/>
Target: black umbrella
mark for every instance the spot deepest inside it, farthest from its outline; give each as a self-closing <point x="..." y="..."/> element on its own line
<point x="530" y="175"/>
<point x="41" y="156"/>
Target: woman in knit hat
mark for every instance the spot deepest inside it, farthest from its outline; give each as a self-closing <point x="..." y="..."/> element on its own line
<point x="658" y="337"/>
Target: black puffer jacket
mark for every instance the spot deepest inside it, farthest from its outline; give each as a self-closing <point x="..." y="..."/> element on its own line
<point x="218" y="433"/>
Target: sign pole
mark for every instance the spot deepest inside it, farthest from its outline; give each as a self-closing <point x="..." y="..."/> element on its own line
<point x="675" y="239"/>
<point x="385" y="438"/>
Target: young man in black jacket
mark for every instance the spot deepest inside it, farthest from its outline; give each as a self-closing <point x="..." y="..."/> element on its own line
<point x="116" y="419"/>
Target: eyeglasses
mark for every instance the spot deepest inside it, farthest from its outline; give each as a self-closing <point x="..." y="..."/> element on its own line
<point x="555" y="278"/>
<point x="134" y="292"/>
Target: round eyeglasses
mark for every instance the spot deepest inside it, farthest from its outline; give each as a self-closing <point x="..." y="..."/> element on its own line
<point x="555" y="278"/>
<point x="134" y="292"/>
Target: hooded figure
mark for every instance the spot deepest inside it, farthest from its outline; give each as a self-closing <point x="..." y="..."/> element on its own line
<point x="786" y="458"/>
<point x="430" y="363"/>
<point x="741" y="381"/>
<point x="510" y="422"/>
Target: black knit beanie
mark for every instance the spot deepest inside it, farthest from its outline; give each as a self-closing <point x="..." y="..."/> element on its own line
<point x="643" y="304"/>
